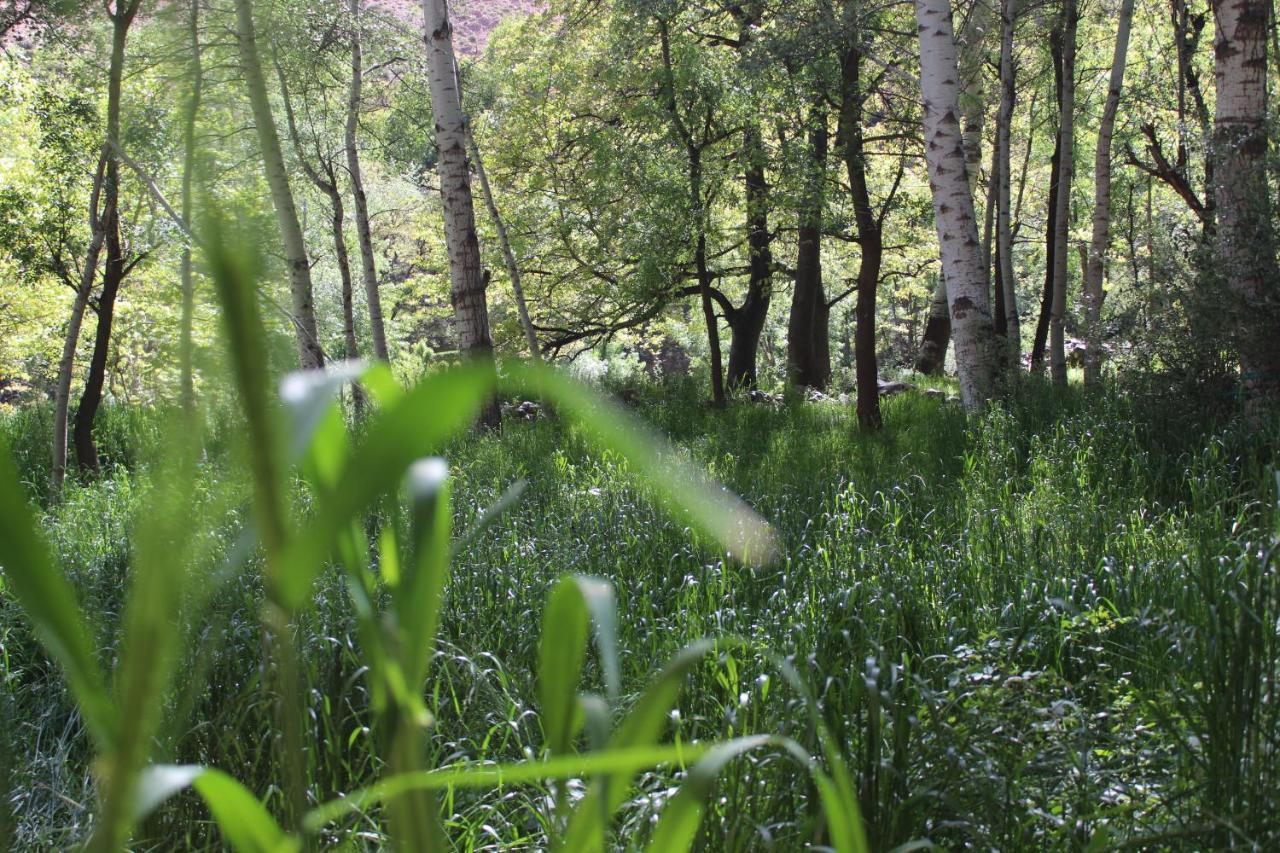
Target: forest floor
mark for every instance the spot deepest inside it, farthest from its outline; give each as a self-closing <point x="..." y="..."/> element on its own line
<point x="1052" y="627"/>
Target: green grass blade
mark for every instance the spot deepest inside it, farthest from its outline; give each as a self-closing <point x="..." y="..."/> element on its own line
<point x="641" y="728"/>
<point x="678" y="484"/>
<point x="50" y="603"/>
<point x="562" y="652"/>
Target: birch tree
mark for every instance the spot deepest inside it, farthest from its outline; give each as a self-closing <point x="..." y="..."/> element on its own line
<point x="1246" y="248"/>
<point x="468" y="280"/>
<point x="364" y="233"/>
<point x="1100" y="239"/>
<point x="961" y="255"/>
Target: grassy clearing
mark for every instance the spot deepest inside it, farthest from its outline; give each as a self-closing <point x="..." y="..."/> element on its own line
<point x="1053" y="627"/>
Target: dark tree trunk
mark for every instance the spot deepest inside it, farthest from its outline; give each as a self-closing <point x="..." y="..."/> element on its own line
<point x="870" y="242"/>
<point x="808" y="348"/>
<point x="748" y="320"/>
<point x="937" y="333"/>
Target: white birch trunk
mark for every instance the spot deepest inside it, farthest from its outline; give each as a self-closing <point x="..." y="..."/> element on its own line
<point x="1094" y="272"/>
<point x="310" y="353"/>
<point x="961" y="254"/>
<point x="1245" y="240"/>
<point x="364" y="234"/>
<point x="1066" y="142"/>
<point x="467" y="278"/>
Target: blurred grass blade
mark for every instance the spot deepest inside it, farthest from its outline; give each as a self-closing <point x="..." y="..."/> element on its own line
<point x="420" y="595"/>
<point x="308" y="395"/>
<point x="562" y="652"/>
<point x="676" y="482"/>
<point x="602" y="604"/>
<point x="242" y="819"/>
<point x="50" y="603"/>
<point x="417" y="424"/>
<point x="624" y="761"/>
<point x="158" y="783"/>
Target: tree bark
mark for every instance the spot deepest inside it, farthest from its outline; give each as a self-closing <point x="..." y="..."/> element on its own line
<point x="1040" y="343"/>
<point x="508" y="256"/>
<point x="114" y="265"/>
<point x="468" y="280"/>
<point x="310" y="353"/>
<point x="1007" y="285"/>
<point x="747" y="322"/>
<point x="870" y="242"/>
<point x="186" y="367"/>
<point x="1093" y="292"/>
<point x="364" y="234"/>
<point x="808" y="346"/>
<point x="1245" y="240"/>
<point x="1066" y="169"/>
<point x="961" y="254"/>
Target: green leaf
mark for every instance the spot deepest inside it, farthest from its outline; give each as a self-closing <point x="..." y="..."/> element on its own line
<point x="679" y="485"/>
<point x="50" y="603"/>
<point x="624" y="761"/>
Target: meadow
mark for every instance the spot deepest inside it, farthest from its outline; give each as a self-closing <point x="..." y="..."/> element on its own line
<point x="1053" y="626"/>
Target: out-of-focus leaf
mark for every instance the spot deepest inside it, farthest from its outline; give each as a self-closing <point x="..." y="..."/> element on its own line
<point x="625" y="761"/>
<point x="677" y="483"/>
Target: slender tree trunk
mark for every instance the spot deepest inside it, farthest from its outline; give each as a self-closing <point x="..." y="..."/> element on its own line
<point x="467" y="278"/>
<point x="749" y="319"/>
<point x="310" y="353"/>
<point x="870" y="242"/>
<point x="1246" y="248"/>
<point x="186" y="368"/>
<point x="66" y="364"/>
<point x="961" y="254"/>
<point x="1007" y="285"/>
<point x="1066" y="169"/>
<point x="368" y="267"/>
<point x="808" y="348"/>
<point x="114" y="266"/>
<point x="1040" y="343"/>
<point x="1093" y="292"/>
<point x="697" y="206"/>
<point x="508" y="256"/>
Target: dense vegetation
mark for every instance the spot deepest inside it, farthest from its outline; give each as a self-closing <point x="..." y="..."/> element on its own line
<point x="336" y="364"/>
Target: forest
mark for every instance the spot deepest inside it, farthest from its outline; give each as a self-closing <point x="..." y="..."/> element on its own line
<point x="668" y="425"/>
